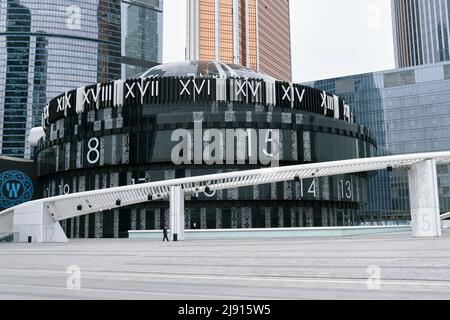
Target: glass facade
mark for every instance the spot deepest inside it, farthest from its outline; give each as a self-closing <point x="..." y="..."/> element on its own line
<point x="251" y="33"/>
<point x="226" y="30"/>
<point x="142" y="35"/>
<point x="207" y="30"/>
<point x="421" y="31"/>
<point x="409" y="112"/>
<point x="49" y="47"/>
<point x="275" y="38"/>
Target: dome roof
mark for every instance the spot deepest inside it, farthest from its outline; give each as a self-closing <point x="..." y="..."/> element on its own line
<point x="204" y="69"/>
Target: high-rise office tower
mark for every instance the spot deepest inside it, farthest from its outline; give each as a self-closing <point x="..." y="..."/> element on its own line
<point x="142" y="36"/>
<point x="421" y="31"/>
<point x="49" y="46"/>
<point x="252" y="33"/>
<point x="407" y="109"/>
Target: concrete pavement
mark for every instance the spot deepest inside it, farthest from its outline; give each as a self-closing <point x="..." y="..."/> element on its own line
<point x="304" y="268"/>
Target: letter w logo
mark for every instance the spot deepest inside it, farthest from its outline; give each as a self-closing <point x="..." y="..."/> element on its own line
<point x="13" y="189"/>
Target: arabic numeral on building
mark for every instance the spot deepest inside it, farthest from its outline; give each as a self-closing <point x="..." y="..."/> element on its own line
<point x="64" y="189"/>
<point x="93" y="154"/>
<point x="426" y="224"/>
<point x="312" y="188"/>
<point x="346" y="189"/>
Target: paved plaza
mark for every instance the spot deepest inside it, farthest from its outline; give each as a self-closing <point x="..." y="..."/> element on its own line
<point x="305" y="268"/>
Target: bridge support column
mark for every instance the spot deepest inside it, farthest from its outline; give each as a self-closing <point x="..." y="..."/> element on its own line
<point x="177" y="213"/>
<point x="33" y="220"/>
<point x="424" y="200"/>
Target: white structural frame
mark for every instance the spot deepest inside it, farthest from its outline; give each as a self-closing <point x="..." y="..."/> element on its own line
<point x="422" y="182"/>
<point x="193" y="30"/>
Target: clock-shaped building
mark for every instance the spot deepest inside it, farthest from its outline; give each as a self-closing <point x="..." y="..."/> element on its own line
<point x="197" y="118"/>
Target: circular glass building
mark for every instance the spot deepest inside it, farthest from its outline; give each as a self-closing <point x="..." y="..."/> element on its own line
<point x="198" y="118"/>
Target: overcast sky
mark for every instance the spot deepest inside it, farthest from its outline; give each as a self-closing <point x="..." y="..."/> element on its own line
<point x="330" y="38"/>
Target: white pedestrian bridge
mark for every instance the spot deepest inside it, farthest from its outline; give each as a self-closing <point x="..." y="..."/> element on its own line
<point x="39" y="219"/>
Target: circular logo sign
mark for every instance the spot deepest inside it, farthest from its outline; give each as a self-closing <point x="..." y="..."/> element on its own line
<point x="16" y="188"/>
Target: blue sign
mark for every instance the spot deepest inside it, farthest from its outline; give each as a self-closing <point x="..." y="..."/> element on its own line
<point x="16" y="188"/>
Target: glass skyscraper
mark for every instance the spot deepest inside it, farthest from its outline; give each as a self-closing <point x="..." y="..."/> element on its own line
<point x="142" y="35"/>
<point x="421" y="31"/>
<point x="251" y="33"/>
<point x="408" y="110"/>
<point x="47" y="47"/>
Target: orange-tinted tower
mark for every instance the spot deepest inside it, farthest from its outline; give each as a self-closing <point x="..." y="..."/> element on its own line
<point x="252" y="33"/>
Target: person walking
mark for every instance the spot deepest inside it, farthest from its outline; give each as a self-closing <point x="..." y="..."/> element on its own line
<point x="165" y="232"/>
